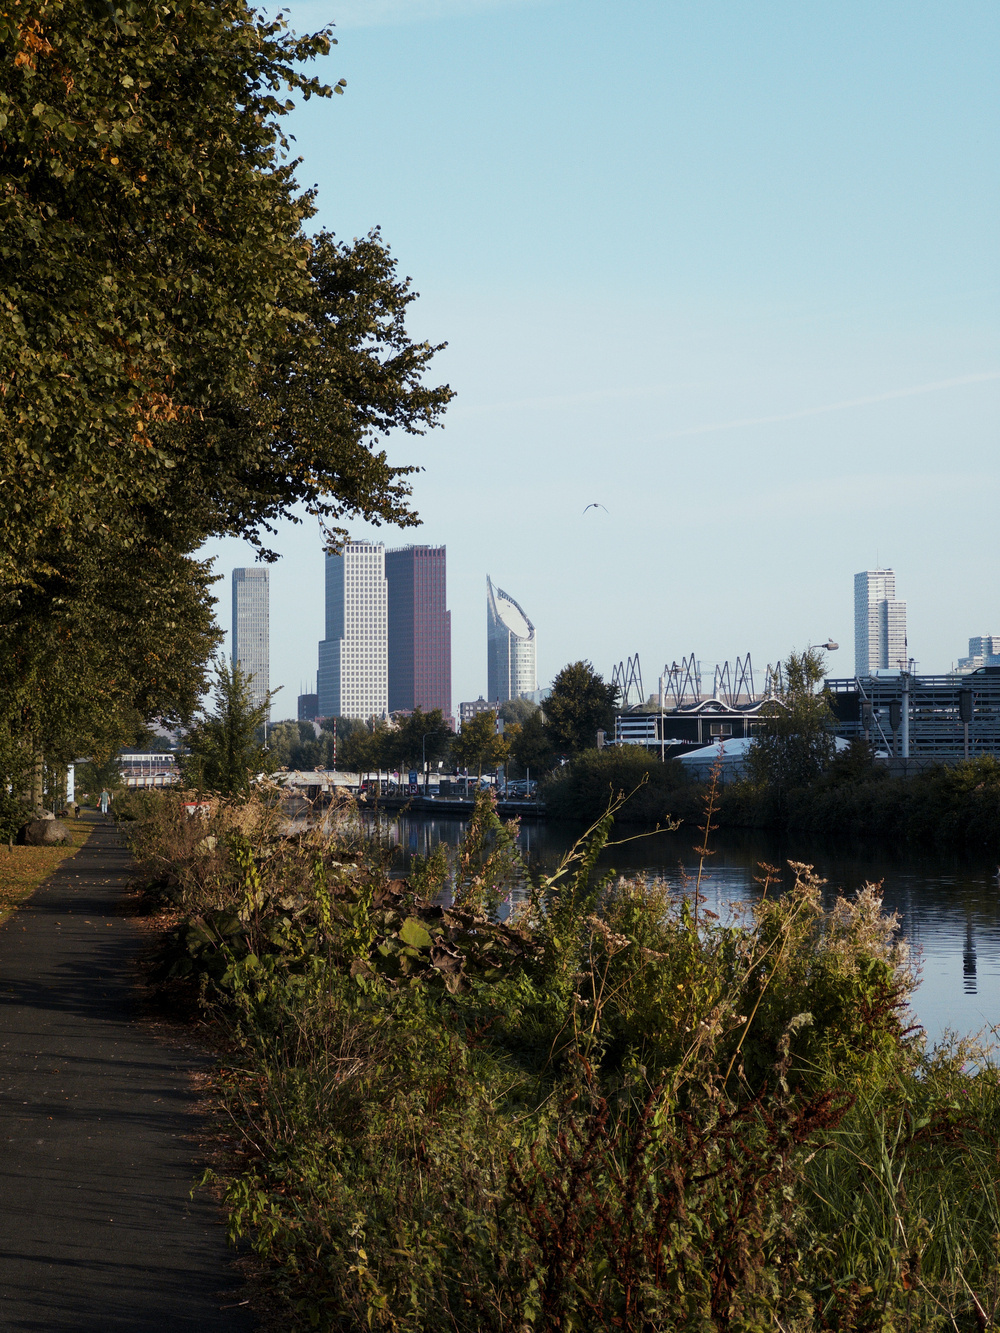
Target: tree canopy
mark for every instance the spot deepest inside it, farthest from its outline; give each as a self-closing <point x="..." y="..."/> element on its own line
<point x="227" y="746"/>
<point x="477" y="745"/>
<point x="178" y="357"/>
<point x="796" y="741"/>
<point x="581" y="704"/>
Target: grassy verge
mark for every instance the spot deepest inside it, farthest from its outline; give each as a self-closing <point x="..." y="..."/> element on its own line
<point x="23" y="869"/>
<point x="608" y="1109"/>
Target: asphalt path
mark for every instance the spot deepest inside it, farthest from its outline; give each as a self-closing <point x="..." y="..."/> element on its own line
<point x="98" y="1229"/>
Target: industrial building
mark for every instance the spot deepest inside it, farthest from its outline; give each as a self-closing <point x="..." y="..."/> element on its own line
<point x="688" y="726"/>
<point x="906" y="716"/>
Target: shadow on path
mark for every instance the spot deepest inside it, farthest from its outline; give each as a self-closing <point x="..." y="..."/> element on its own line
<point x="98" y="1230"/>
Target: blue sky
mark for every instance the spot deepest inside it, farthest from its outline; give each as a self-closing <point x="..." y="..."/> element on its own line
<point x="730" y="269"/>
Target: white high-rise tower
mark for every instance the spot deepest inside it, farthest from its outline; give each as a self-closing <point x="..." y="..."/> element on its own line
<point x="879" y="623"/>
<point x="251" y="628"/>
<point x="510" y="647"/>
<point x="353" y="676"/>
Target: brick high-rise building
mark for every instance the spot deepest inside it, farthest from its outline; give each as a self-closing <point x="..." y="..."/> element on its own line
<point x="419" y="629"/>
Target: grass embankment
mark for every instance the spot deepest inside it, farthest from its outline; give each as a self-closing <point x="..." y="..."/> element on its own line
<point x="610" y="1111"/>
<point x="23" y="869"/>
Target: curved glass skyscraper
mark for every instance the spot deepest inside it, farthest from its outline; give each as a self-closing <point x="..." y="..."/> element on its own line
<point x="510" y="647"/>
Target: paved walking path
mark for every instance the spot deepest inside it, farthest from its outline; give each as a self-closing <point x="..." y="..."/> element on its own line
<point x="98" y="1232"/>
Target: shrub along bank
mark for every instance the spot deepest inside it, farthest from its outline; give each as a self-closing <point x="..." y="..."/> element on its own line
<point x="657" y="792"/>
<point x="608" y="1109"/>
<point x="953" y="807"/>
<point x="948" y="807"/>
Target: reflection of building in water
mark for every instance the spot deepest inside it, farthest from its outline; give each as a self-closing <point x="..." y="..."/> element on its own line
<point x="969" y="960"/>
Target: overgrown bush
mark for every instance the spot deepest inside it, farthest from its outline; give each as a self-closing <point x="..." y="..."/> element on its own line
<point x="581" y="789"/>
<point x="948" y="807"/>
<point x="605" y="1108"/>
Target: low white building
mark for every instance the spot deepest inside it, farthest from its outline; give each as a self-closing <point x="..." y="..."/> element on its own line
<point x="730" y="755"/>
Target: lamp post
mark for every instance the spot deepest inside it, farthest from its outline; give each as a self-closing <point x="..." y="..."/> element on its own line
<point x="423" y="758"/>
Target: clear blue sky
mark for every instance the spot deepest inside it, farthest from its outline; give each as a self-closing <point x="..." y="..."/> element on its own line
<point x="730" y="269"/>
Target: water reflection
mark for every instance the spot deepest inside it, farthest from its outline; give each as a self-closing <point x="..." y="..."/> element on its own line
<point x="949" y="906"/>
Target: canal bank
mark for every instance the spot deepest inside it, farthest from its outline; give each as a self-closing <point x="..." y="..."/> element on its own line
<point x="949" y="905"/>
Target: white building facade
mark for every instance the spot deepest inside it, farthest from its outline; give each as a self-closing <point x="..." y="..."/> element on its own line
<point x="251" y="628"/>
<point x="984" y="651"/>
<point x="879" y="623"/>
<point x="353" y="676"/>
<point x="510" y="648"/>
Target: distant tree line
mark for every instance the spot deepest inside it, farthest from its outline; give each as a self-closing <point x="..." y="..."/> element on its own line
<point x="533" y="740"/>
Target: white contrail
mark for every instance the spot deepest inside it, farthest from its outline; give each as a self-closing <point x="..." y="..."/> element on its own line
<point x="833" y="407"/>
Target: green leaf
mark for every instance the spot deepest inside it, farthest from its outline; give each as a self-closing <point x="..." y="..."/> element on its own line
<point x="414" y="933"/>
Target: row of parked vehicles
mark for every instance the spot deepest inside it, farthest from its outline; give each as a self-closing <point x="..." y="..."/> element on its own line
<point x="518" y="789"/>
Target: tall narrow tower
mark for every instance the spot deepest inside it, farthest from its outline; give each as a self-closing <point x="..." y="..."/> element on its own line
<point x="419" y="629"/>
<point x="510" y="647"/>
<point x="879" y="622"/>
<point x="251" y="628"/>
<point x="352" y="680"/>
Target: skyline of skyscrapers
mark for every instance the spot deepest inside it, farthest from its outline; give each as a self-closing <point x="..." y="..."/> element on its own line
<point x="251" y="628"/>
<point x="510" y="648"/>
<point x="879" y="623"/>
<point x="419" y="629"/>
<point x="352" y="677"/>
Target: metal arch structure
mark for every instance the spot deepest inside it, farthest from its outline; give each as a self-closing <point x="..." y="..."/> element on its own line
<point x="627" y="676"/>
<point x="732" y="685"/>
<point x="681" y="681"/>
<point x="774" y="681"/>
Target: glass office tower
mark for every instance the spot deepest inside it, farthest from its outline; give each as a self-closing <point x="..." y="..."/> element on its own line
<point x="251" y="628"/>
<point x="510" y="648"/>
<point x="419" y="672"/>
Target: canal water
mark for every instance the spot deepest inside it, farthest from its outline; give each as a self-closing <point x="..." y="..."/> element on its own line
<point x="949" y="906"/>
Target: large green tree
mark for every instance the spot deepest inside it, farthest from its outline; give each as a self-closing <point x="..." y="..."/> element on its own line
<point x="178" y="358"/>
<point x="531" y="744"/>
<point x="172" y="341"/>
<point x="796" y="739"/>
<point x="226" y="746"/>
<point x="418" y="737"/>
<point x="478" y="746"/>
<point x="581" y="704"/>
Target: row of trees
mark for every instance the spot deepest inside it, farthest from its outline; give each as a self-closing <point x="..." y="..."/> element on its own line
<point x="179" y="358"/>
<point x="532" y="740"/>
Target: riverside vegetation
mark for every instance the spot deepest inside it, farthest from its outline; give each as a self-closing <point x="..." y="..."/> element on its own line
<point x="950" y="807"/>
<point x="795" y="780"/>
<point x="604" y="1108"/>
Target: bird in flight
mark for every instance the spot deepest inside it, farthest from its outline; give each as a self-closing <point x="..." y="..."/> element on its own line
<point x="596" y="505"/>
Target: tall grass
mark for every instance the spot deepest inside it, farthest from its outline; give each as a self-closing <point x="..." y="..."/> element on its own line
<point x="611" y="1110"/>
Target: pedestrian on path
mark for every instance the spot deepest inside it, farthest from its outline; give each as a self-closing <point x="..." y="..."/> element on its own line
<point x="105" y="802"/>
